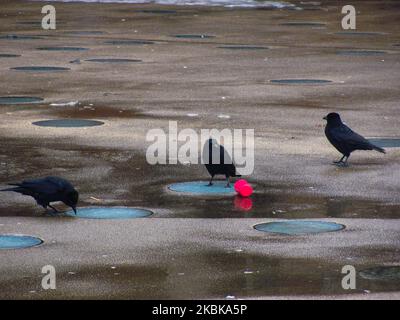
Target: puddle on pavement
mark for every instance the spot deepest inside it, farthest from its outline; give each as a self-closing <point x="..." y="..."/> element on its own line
<point x="109" y="213"/>
<point x="19" y="100"/>
<point x="205" y="273"/>
<point x="193" y="36"/>
<point x="271" y="200"/>
<point x="19" y="37"/>
<point x="68" y="123"/>
<point x="202" y="188"/>
<point x="360" y="52"/>
<point x="300" y="81"/>
<point x="386" y="142"/>
<point x="9" y="55"/>
<point x="40" y="69"/>
<point x="129" y="42"/>
<point x="18" y="241"/>
<point x="295" y="227"/>
<point x="265" y="202"/>
<point x="62" y="48"/>
<point x="384" y="273"/>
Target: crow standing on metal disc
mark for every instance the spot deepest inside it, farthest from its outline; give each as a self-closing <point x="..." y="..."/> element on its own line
<point x="223" y="165"/>
<point x="344" y="139"/>
<point x="46" y="190"/>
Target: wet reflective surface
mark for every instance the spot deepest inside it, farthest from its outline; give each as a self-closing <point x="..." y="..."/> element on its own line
<point x="300" y="81"/>
<point x="298" y="227"/>
<point x="202" y="188"/>
<point x="201" y="246"/>
<point x="109" y="213"/>
<point x="19" y="37"/>
<point x="68" y="123"/>
<point x="129" y="42"/>
<point x="359" y="33"/>
<point x="18" y="241"/>
<point x="388" y="273"/>
<point x="360" y="52"/>
<point x="194" y="36"/>
<point x="243" y="47"/>
<point x="9" y="55"/>
<point x="19" y="100"/>
<point x="62" y="49"/>
<point x="195" y="274"/>
<point x="40" y="69"/>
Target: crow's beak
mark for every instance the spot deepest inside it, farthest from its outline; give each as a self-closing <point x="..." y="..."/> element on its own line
<point x="73" y="208"/>
<point x="325" y="118"/>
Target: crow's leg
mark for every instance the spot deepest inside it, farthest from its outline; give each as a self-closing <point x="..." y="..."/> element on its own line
<point x="345" y="164"/>
<point x="55" y="210"/>
<point x="45" y="208"/>
<point x="210" y="183"/>
<point x="227" y="182"/>
<point x="340" y="161"/>
<point x="47" y="211"/>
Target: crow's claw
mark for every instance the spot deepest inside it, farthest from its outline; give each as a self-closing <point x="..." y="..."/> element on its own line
<point x="341" y="164"/>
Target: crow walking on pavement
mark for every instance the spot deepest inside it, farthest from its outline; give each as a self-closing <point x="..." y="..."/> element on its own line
<point x="344" y="139"/>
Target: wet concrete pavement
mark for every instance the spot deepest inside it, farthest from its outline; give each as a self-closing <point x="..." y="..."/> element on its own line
<point x="188" y="247"/>
<point x="193" y="258"/>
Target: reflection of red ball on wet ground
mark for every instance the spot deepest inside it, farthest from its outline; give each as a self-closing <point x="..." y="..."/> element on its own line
<point x="244" y="204"/>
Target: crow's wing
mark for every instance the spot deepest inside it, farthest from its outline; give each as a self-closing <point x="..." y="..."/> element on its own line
<point x="226" y="162"/>
<point x="344" y="135"/>
<point x="48" y="185"/>
<point x="214" y="153"/>
<point x="225" y="158"/>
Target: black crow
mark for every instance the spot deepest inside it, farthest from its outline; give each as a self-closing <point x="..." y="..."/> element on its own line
<point x="344" y="139"/>
<point x="46" y="190"/>
<point x="223" y="165"/>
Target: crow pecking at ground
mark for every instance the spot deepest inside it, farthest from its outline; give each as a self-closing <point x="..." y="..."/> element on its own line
<point x="223" y="165"/>
<point x="344" y="139"/>
<point x="46" y="190"/>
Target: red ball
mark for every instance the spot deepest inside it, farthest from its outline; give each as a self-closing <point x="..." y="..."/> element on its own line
<point x="238" y="184"/>
<point x="246" y="190"/>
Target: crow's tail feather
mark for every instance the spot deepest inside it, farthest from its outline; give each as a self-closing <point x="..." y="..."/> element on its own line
<point x="237" y="175"/>
<point x="16" y="189"/>
<point x="379" y="149"/>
